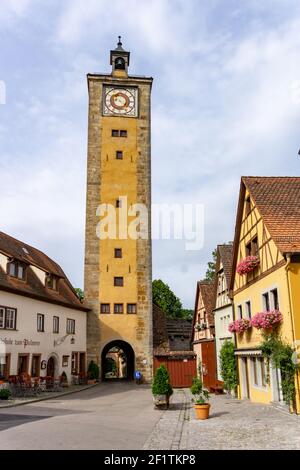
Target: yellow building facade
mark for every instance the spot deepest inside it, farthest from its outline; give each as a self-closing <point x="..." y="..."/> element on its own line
<point x="263" y="231"/>
<point x="118" y="273"/>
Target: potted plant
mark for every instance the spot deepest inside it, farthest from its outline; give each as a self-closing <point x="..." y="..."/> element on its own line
<point x="201" y="397"/>
<point x="5" y="394"/>
<point x="161" y="387"/>
<point x="92" y="373"/>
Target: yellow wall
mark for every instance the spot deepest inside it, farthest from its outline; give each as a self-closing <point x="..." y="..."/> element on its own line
<point x="119" y="178"/>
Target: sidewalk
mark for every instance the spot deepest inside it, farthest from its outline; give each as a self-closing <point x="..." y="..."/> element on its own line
<point x="233" y="424"/>
<point x="44" y="396"/>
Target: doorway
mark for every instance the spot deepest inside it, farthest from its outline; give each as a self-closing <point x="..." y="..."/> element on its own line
<point x="245" y="393"/>
<point x="50" y="367"/>
<point x="117" y="361"/>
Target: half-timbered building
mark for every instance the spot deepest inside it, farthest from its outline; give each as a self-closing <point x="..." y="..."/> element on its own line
<point x="265" y="278"/>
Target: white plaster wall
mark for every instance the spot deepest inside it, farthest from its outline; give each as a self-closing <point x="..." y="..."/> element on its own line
<point x="27" y="310"/>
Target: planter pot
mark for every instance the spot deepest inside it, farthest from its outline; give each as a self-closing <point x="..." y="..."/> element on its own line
<point x="91" y="382"/>
<point x="202" y="411"/>
<point x="161" y="401"/>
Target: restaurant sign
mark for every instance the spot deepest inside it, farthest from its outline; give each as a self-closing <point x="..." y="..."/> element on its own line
<point x="16" y="342"/>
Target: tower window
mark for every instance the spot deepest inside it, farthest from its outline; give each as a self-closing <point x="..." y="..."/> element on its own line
<point x="120" y="63"/>
<point x="123" y="133"/>
<point x="118" y="308"/>
<point x="118" y="252"/>
<point x="105" y="308"/>
<point x="119" y="155"/>
<point x="118" y="281"/>
<point x="115" y="133"/>
<point x="131" y="308"/>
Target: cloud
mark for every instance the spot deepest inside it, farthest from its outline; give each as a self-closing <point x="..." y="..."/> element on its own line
<point x="222" y="106"/>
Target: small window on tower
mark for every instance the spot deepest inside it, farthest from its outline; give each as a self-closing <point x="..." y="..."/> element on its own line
<point x="119" y="155"/>
<point x="118" y="281"/>
<point x="123" y="133"/>
<point x="115" y="133"/>
<point x="118" y="252"/>
<point x="118" y="308"/>
<point x="118" y="203"/>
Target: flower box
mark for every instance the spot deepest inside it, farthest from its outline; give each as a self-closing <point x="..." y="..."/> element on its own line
<point x="267" y="320"/>
<point x="239" y="326"/>
<point x="247" y="265"/>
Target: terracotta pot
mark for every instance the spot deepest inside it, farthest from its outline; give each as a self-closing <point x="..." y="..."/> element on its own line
<point x="202" y="411"/>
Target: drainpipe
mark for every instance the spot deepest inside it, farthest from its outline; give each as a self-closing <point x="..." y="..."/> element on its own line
<point x="287" y="269"/>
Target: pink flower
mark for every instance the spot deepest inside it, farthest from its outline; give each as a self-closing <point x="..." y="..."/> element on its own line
<point x="239" y="326"/>
<point x="247" y="265"/>
<point x="266" y="320"/>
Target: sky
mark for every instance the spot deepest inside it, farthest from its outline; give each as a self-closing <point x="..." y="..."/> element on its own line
<point x="225" y="103"/>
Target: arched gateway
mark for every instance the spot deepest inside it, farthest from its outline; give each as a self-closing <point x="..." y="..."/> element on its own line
<point x="117" y="361"/>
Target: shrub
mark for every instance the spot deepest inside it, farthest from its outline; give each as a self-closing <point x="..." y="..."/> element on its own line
<point x="161" y="383"/>
<point x="93" y="371"/>
<point x="201" y="395"/>
<point x="5" y="394"/>
<point x="228" y="366"/>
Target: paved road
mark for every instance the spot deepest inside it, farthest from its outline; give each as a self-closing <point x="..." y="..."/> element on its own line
<point x="109" y="416"/>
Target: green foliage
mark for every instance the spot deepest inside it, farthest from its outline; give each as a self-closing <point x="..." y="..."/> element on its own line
<point x="274" y="349"/>
<point x="80" y="294"/>
<point x="201" y="395"/>
<point x="187" y="314"/>
<point x="161" y="383"/>
<point x="93" y="371"/>
<point x="228" y="366"/>
<point x="5" y="394"/>
<point x="166" y="299"/>
<point x="211" y="267"/>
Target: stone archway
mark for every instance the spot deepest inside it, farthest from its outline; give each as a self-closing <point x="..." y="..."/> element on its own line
<point x="117" y="361"/>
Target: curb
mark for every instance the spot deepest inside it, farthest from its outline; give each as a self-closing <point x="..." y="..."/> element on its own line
<point x="55" y="395"/>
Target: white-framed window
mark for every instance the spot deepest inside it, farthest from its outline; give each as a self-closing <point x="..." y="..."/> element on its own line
<point x="248" y="309"/>
<point x="70" y="326"/>
<point x="240" y="311"/>
<point x="55" y="324"/>
<point x="259" y="372"/>
<point x="270" y="299"/>
<point x="40" y="322"/>
<point x="2" y="317"/>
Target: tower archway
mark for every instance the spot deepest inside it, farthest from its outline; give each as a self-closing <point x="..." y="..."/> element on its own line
<point x="117" y="361"/>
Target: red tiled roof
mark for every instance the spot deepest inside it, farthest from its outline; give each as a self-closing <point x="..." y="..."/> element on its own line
<point x="225" y="253"/>
<point x="208" y="294"/>
<point x="278" y="201"/>
<point x="32" y="286"/>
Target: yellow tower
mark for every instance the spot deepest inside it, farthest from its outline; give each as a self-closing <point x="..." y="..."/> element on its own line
<point x="118" y="271"/>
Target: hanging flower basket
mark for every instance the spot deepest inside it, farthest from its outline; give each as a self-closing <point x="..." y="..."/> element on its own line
<point x="267" y="320"/>
<point x="239" y="326"/>
<point x="247" y="265"/>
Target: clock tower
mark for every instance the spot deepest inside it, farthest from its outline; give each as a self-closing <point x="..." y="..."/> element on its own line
<point x="118" y="270"/>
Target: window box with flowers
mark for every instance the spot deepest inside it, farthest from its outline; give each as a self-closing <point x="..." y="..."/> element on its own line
<point x="267" y="320"/>
<point x="239" y="326"/>
<point x="247" y="265"/>
<point x="200" y="326"/>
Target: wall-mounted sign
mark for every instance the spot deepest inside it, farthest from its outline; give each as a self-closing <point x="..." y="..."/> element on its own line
<point x="44" y="365"/>
<point x="19" y="342"/>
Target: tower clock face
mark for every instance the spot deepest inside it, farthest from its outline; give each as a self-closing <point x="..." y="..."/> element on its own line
<point x="120" y="101"/>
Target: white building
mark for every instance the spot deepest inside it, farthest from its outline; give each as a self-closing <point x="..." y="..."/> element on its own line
<point x="223" y="310"/>
<point x="42" y="321"/>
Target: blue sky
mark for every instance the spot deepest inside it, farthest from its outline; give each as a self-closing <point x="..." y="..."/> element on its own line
<point x="225" y="103"/>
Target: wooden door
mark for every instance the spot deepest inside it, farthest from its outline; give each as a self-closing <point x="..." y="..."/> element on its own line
<point x="50" y="367"/>
<point x="181" y="370"/>
<point x="209" y="365"/>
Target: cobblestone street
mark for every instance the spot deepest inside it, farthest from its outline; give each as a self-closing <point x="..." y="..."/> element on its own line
<point x="233" y="424"/>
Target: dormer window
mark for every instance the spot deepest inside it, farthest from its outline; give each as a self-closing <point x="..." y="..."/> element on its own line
<point x="119" y="63"/>
<point x="16" y="269"/>
<point x="51" y="281"/>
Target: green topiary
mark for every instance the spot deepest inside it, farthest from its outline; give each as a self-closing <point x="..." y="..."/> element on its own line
<point x="93" y="371"/>
<point x="201" y="394"/>
<point x="228" y="366"/>
<point x="161" y="384"/>
<point x="5" y="394"/>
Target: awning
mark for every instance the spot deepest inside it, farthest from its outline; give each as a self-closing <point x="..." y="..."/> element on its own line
<point x="248" y="352"/>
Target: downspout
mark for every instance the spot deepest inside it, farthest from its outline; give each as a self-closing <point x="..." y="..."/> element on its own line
<point x="287" y="270"/>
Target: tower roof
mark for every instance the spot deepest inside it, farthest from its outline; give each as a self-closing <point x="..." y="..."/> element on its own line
<point x="119" y="51"/>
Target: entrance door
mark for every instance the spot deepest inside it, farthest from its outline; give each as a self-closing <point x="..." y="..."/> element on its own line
<point x="245" y="378"/>
<point x="23" y="364"/>
<point x="209" y="365"/>
<point x="117" y="361"/>
<point x="50" y="367"/>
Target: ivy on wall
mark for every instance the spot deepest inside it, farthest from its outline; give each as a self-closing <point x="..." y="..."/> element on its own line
<point x="228" y="366"/>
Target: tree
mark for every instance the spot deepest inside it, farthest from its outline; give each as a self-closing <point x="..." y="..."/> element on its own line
<point x="165" y="298"/>
<point x="80" y="293"/>
<point x="161" y="384"/>
<point x="187" y="314"/>
<point x="211" y="267"/>
<point x="228" y="366"/>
